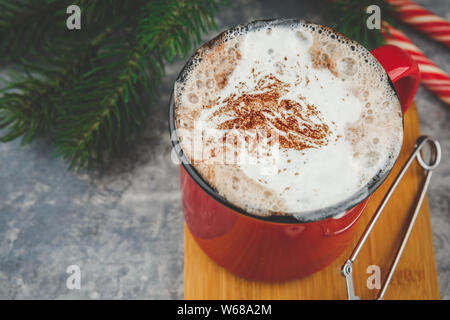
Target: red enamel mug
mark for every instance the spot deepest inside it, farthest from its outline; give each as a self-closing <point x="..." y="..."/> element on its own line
<point x="279" y="248"/>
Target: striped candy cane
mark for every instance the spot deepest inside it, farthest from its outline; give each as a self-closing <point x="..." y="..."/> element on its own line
<point x="432" y="76"/>
<point x="423" y="20"/>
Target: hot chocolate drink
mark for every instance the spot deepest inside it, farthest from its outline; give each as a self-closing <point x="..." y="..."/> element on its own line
<point x="287" y="118"/>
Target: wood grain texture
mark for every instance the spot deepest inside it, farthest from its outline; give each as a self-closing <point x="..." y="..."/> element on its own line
<point x="415" y="277"/>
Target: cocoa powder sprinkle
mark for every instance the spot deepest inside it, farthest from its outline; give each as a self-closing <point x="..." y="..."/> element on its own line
<point x="299" y="126"/>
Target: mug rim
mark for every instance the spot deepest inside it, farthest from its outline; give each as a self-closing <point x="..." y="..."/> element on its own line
<point x="307" y="216"/>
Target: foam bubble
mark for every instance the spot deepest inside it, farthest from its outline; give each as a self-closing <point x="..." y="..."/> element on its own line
<point x="348" y="66"/>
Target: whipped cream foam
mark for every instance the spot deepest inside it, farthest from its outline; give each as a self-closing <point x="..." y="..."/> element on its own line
<point x="287" y="118"/>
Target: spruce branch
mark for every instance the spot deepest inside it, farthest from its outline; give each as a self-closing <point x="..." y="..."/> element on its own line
<point x="29" y="25"/>
<point x="110" y="104"/>
<point x="102" y="12"/>
<point x="351" y="19"/>
<point x="30" y="102"/>
<point x="107" y="107"/>
<point x="91" y="91"/>
<point x="174" y="27"/>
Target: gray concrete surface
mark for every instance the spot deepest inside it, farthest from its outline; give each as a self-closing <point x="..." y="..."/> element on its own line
<point x="123" y="225"/>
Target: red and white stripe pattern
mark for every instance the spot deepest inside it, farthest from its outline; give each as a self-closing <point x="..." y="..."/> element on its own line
<point x="423" y="20"/>
<point x="434" y="78"/>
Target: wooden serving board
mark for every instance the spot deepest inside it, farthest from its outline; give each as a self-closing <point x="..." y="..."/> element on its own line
<point x="414" y="278"/>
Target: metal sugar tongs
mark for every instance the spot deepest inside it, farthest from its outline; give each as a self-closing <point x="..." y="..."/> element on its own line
<point x="346" y="269"/>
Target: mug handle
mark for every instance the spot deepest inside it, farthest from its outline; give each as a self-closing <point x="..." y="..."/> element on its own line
<point x="403" y="71"/>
